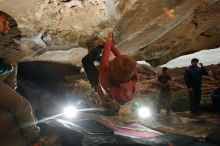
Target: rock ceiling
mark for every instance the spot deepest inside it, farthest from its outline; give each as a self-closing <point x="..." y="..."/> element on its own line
<point x="152" y="30"/>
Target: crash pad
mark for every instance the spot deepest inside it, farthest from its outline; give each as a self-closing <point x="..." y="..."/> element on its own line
<point x="92" y="126"/>
<point x="5" y="68"/>
<point x="135" y="130"/>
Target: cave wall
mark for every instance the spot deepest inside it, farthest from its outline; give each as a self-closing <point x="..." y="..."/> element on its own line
<point x="200" y="30"/>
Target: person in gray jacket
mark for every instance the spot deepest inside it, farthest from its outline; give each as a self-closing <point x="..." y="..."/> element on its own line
<point x="17" y="124"/>
<point x="193" y="79"/>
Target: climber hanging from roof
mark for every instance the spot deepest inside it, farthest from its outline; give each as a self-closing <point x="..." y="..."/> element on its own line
<point x="115" y="80"/>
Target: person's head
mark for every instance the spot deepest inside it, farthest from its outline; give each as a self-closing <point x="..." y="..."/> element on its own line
<point x="93" y="43"/>
<point x="165" y="70"/>
<point x="4" y="27"/>
<point x="122" y="68"/>
<point x="195" y="62"/>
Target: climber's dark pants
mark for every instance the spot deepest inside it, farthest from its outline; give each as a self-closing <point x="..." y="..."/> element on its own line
<point x="91" y="71"/>
<point x="164" y="100"/>
<point x="194" y="98"/>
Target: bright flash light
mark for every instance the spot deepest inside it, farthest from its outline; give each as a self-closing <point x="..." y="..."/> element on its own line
<point x="144" y="112"/>
<point x="70" y="112"/>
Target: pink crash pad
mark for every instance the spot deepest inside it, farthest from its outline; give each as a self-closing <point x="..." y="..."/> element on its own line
<point x="133" y="130"/>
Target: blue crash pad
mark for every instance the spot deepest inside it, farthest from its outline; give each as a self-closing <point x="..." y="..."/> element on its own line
<point x="5" y="68"/>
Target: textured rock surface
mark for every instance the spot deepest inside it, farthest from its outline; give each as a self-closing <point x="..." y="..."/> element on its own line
<point x="141" y="29"/>
<point x="197" y="31"/>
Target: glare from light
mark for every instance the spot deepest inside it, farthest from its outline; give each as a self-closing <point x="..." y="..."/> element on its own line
<point x="70" y="112"/>
<point x="144" y="112"/>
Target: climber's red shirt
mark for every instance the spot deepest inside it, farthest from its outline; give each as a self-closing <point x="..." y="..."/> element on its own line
<point x="122" y="94"/>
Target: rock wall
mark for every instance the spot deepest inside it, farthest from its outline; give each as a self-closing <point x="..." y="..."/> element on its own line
<point x="199" y="30"/>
